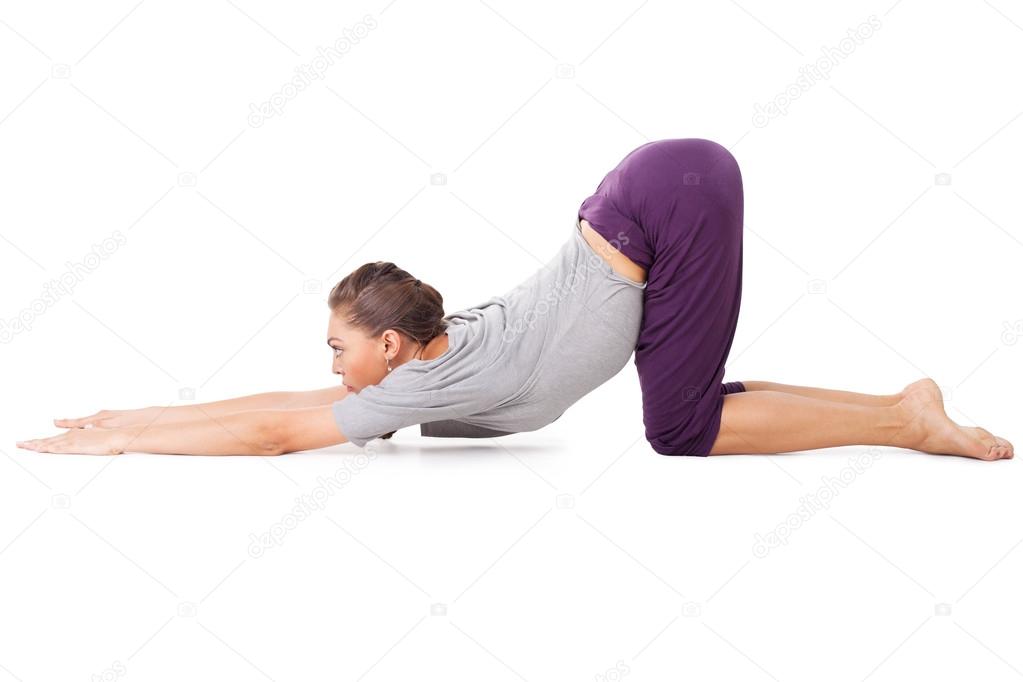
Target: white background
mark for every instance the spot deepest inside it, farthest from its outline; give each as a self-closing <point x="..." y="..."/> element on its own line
<point x="134" y="119"/>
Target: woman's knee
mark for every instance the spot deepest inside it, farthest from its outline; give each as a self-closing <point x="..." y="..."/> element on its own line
<point x="695" y="439"/>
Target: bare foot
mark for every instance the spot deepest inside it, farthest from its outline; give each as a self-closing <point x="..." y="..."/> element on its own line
<point x="929" y="429"/>
<point x="998" y="439"/>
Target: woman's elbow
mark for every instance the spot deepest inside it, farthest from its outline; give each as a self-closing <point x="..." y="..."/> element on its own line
<point x="270" y="440"/>
<point x="297" y="431"/>
<point x="272" y="450"/>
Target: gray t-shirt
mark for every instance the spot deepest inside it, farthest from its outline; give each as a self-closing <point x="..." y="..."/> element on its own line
<point x="514" y="362"/>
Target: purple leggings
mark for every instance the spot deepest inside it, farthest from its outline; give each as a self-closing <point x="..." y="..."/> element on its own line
<point x="675" y="207"/>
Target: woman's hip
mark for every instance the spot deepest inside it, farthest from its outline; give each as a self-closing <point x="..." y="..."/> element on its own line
<point x="668" y="191"/>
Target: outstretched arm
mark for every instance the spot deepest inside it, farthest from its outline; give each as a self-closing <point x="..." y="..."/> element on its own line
<point x="253" y="432"/>
<point x="174" y="414"/>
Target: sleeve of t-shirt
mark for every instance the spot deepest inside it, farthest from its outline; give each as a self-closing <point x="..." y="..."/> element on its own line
<point x="376" y="411"/>
<point x="404" y="398"/>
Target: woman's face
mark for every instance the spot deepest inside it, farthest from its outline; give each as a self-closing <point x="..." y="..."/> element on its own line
<point x="360" y="360"/>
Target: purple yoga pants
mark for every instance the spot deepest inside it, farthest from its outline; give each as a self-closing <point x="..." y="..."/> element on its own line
<point x="675" y="207"/>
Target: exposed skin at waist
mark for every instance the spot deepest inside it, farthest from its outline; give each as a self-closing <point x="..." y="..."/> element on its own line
<point x="624" y="266"/>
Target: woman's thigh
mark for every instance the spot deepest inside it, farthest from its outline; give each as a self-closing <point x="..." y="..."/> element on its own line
<point x="679" y="205"/>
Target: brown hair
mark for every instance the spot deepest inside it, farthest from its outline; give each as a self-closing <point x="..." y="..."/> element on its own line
<point x="379" y="296"/>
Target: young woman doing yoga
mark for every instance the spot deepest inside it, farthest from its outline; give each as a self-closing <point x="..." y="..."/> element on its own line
<point x="653" y="267"/>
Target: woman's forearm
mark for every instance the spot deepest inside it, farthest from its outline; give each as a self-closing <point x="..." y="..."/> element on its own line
<point x="254" y="432"/>
<point x="238" y="433"/>
<point x="273" y="400"/>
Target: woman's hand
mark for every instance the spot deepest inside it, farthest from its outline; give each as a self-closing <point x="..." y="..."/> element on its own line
<point x="93" y="441"/>
<point x="109" y="419"/>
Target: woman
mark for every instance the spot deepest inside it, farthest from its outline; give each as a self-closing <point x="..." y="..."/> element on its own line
<point x="653" y="266"/>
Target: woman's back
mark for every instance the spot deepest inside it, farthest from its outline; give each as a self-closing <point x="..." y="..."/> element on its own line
<point x="515" y="362"/>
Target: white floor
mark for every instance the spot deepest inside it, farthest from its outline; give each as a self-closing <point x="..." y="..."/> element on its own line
<point x="575" y="552"/>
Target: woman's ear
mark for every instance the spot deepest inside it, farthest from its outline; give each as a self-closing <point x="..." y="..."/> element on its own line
<point x="391" y="340"/>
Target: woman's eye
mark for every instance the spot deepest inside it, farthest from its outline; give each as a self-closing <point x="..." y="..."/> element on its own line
<point x="337" y="352"/>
